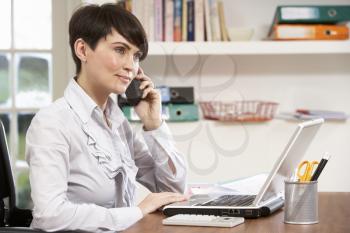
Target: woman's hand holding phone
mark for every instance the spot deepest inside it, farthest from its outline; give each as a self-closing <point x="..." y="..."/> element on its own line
<point x="149" y="108"/>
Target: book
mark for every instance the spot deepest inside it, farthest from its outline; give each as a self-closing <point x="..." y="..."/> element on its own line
<point x="149" y="17"/>
<point x="177" y="20"/>
<point x="199" y="20"/>
<point x="190" y="20"/>
<point x="158" y="19"/>
<point x="214" y="20"/>
<point x="184" y="21"/>
<point x="309" y="32"/>
<point x="223" y="28"/>
<point x="207" y="23"/>
<point x="169" y="20"/>
<point x="325" y="14"/>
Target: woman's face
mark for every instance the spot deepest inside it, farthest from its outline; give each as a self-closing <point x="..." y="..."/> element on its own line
<point x="113" y="64"/>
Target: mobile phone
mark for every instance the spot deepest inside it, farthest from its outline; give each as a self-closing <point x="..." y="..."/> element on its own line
<point x="133" y="92"/>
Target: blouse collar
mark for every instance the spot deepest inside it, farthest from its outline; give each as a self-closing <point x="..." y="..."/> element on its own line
<point x="81" y="103"/>
<point x="84" y="106"/>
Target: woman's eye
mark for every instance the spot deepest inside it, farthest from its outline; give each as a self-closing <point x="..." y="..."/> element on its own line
<point x="137" y="56"/>
<point x="120" y="50"/>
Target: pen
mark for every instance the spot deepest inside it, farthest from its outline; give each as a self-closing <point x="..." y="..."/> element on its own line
<point x="320" y="167"/>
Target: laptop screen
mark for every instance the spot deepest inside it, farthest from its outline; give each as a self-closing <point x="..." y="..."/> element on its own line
<point x="289" y="159"/>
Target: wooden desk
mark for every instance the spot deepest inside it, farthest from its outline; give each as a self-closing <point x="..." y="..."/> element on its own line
<point x="334" y="216"/>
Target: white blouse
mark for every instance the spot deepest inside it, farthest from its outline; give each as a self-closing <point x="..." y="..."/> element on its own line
<point x="83" y="172"/>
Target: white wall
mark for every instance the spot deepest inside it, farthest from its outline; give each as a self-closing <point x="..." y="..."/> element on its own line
<point x="294" y="81"/>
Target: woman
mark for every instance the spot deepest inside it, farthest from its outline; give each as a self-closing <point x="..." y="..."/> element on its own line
<point x="83" y="155"/>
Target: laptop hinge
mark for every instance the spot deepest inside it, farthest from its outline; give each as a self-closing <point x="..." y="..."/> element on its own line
<point x="269" y="199"/>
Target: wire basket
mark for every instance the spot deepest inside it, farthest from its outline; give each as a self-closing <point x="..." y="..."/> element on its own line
<point x="242" y="111"/>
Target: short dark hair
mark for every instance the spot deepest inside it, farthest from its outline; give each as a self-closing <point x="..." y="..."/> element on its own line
<point x="92" y="22"/>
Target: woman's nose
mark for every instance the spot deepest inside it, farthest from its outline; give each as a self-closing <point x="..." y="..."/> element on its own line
<point x="129" y="62"/>
<point x="131" y="65"/>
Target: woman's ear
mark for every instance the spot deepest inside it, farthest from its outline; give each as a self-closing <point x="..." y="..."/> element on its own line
<point x="80" y="49"/>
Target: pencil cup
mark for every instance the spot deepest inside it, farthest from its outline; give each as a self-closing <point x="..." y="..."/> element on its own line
<point x="301" y="202"/>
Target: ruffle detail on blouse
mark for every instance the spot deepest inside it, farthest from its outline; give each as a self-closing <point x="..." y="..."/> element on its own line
<point x="113" y="164"/>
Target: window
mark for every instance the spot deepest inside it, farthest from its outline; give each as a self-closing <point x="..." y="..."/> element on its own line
<point x="26" y="74"/>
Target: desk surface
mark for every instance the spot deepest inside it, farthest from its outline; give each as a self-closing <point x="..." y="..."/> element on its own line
<point x="334" y="216"/>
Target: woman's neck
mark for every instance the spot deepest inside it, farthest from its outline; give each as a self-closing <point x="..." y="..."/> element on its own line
<point x="99" y="97"/>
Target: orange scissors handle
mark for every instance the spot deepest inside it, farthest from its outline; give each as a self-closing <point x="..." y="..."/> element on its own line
<point x="302" y="170"/>
<point x="305" y="170"/>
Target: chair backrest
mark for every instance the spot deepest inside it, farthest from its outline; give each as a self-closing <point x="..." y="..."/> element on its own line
<point x="7" y="187"/>
<point x="14" y="216"/>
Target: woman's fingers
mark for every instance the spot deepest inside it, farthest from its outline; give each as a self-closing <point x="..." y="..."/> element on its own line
<point x="146" y="83"/>
<point x="176" y="199"/>
<point x="147" y="91"/>
<point x="173" y="197"/>
<point x="156" y="200"/>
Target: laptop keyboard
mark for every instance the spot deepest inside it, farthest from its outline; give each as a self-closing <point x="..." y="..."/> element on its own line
<point x="231" y="200"/>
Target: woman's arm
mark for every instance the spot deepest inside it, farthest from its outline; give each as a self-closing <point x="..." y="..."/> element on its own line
<point x="47" y="154"/>
<point x="161" y="165"/>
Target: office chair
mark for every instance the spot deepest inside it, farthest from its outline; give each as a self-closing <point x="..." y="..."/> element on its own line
<point x="12" y="216"/>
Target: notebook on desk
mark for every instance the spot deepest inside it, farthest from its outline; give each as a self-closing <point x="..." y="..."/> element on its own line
<point x="270" y="196"/>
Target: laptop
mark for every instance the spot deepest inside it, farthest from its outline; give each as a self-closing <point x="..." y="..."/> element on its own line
<point x="270" y="197"/>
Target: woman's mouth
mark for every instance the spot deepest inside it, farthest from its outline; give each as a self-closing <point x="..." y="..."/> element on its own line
<point x="124" y="79"/>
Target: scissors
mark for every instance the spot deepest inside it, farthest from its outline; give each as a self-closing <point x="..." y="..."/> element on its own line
<point x="305" y="170"/>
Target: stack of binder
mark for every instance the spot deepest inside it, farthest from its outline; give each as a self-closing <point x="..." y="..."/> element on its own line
<point x="311" y="22"/>
<point x="177" y="105"/>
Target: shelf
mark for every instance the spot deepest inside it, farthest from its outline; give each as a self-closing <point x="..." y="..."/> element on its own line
<point x="249" y="48"/>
